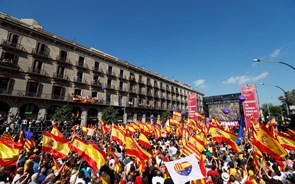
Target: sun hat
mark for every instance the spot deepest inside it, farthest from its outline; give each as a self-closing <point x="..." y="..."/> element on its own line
<point x="225" y="176"/>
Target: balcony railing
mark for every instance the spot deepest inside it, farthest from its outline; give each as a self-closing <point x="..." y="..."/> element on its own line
<point x="82" y="65"/>
<point x="121" y="76"/>
<point x="80" y="80"/>
<point x="58" y="97"/>
<point x="13" y="45"/>
<point x="37" y="71"/>
<point x="60" y="76"/>
<point x="9" y="64"/>
<point x="5" y="91"/>
<point x="96" y="83"/>
<point x="97" y="69"/>
<point x="140" y="81"/>
<point x="110" y="86"/>
<point x="42" y="53"/>
<point x="63" y="60"/>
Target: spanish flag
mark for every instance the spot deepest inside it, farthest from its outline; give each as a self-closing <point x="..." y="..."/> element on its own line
<point x="94" y="156"/>
<point x="176" y="116"/>
<point x="291" y="132"/>
<point x="57" y="146"/>
<point x="143" y="140"/>
<point x="268" y="144"/>
<point x="9" y="152"/>
<point x="117" y="135"/>
<point x="199" y="115"/>
<point x="133" y="149"/>
<point x="157" y="132"/>
<point x="286" y="141"/>
<point x="104" y="129"/>
<point x="79" y="146"/>
<point x="215" y="122"/>
<point x="55" y="131"/>
<point x="219" y="135"/>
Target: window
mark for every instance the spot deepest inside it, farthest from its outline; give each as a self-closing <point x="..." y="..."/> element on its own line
<point x="3" y="83"/>
<point x="121" y="72"/>
<point x="13" y="39"/>
<point x="108" y="98"/>
<point x="78" y="92"/>
<point x="110" y="69"/>
<point x="58" y="92"/>
<point x="79" y="77"/>
<point x="60" y="71"/>
<point x="121" y="85"/>
<point x="34" y="88"/>
<point x="42" y="49"/>
<point x="63" y="55"/>
<point x="120" y="100"/>
<point x="96" y="65"/>
<point x="37" y="66"/>
<point x="109" y="83"/>
<point x="94" y="94"/>
<point x="81" y="61"/>
<point x="9" y="58"/>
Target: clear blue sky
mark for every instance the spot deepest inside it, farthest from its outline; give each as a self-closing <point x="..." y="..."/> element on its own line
<point x="208" y="44"/>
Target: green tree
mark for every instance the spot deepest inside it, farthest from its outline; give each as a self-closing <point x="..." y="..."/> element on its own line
<point x="62" y="113"/>
<point x="109" y="115"/>
<point x="271" y="110"/>
<point x="165" y="115"/>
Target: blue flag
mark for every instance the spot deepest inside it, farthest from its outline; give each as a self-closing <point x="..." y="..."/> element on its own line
<point x="28" y="134"/>
<point x="241" y="131"/>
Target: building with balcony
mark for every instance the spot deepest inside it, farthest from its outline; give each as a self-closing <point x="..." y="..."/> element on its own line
<point x="40" y="72"/>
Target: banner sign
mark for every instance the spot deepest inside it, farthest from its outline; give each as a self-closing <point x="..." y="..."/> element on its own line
<point x="192" y="104"/>
<point x="251" y="107"/>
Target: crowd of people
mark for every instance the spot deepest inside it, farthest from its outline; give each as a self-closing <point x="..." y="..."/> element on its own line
<point x="222" y="164"/>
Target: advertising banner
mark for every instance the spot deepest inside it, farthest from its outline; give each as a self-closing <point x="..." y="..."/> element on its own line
<point x="251" y="107"/>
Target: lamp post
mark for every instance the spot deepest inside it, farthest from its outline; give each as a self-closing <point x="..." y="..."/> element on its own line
<point x="285" y="94"/>
<point x="270" y="61"/>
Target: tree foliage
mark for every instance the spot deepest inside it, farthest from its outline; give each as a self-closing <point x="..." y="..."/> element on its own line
<point x="165" y="115"/>
<point x="109" y="115"/>
<point x="62" y="113"/>
<point x="289" y="97"/>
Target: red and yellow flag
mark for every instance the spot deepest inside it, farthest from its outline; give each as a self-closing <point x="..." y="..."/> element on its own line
<point x="9" y="152"/>
<point x="219" y="135"/>
<point x="79" y="146"/>
<point x="84" y="129"/>
<point x="133" y="149"/>
<point x="55" y="131"/>
<point x="215" y="122"/>
<point x="268" y="144"/>
<point x="29" y="144"/>
<point x="7" y="136"/>
<point x="118" y="135"/>
<point x="143" y="140"/>
<point x="55" y="145"/>
<point x="191" y="148"/>
<point x="94" y="156"/>
<point x="157" y="132"/>
<point x="286" y="141"/>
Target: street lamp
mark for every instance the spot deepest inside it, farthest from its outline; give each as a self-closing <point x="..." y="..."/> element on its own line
<point x="285" y="94"/>
<point x="270" y="61"/>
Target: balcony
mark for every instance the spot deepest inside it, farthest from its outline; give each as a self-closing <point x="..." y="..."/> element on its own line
<point x="132" y="79"/>
<point x="142" y="105"/>
<point x="9" y="65"/>
<point x="60" y="77"/>
<point x="149" y="93"/>
<point x="121" y="89"/>
<point x="111" y="74"/>
<point x="132" y="91"/>
<point x="149" y="84"/>
<point x="63" y="60"/>
<point x="13" y="46"/>
<point x="110" y="87"/>
<point x="33" y="94"/>
<point x="82" y="65"/>
<point x="142" y="93"/>
<point x="41" y="54"/>
<point x="122" y="77"/>
<point x="97" y="70"/>
<point x="57" y="97"/>
<point x="141" y="82"/>
<point x="38" y="72"/>
<point x="156" y="85"/>
<point x="5" y="91"/>
<point x="80" y="81"/>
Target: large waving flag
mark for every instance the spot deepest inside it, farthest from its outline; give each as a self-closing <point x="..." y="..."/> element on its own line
<point x="286" y="141"/>
<point x="143" y="140"/>
<point x="9" y="152"/>
<point x="184" y="170"/>
<point x="133" y="149"/>
<point x="268" y="144"/>
<point x="94" y="156"/>
<point x="219" y="135"/>
<point x="57" y="146"/>
<point x="7" y="136"/>
<point x="79" y="146"/>
<point x="241" y="131"/>
<point x="55" y="131"/>
<point x="117" y="135"/>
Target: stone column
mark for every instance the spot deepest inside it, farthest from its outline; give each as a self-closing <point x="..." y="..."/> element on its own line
<point x="84" y="118"/>
<point x="143" y="118"/>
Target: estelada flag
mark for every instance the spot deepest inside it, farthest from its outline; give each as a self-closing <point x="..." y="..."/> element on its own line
<point x="286" y="141"/>
<point x="268" y="144"/>
<point x="117" y="135"/>
<point x="9" y="152"/>
<point x="143" y="140"/>
<point x="55" y="131"/>
<point x="184" y="170"/>
<point x="57" y="146"/>
<point x="79" y="146"/>
<point x="94" y="156"/>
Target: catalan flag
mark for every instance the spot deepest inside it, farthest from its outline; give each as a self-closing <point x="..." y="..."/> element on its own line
<point x="7" y="136"/>
<point x="55" y="131"/>
<point x="94" y="156"/>
<point x="268" y="144"/>
<point x="57" y="146"/>
<point x="143" y="140"/>
<point x="215" y="122"/>
<point x="29" y="144"/>
<point x="9" y="152"/>
<point x="190" y="148"/>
